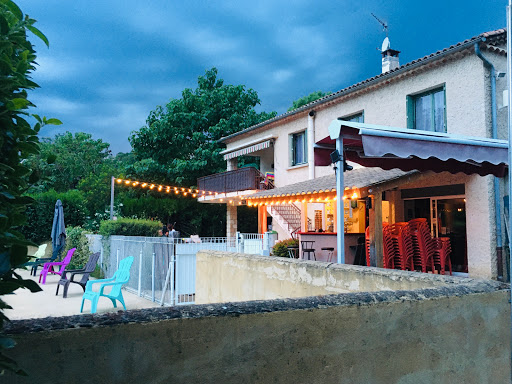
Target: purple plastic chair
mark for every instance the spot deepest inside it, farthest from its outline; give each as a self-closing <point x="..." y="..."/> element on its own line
<point x="49" y="267"/>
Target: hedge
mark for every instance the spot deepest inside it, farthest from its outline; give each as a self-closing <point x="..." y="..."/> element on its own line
<point x="40" y="214"/>
<point x="130" y="227"/>
<point x="281" y="247"/>
<point x="75" y="238"/>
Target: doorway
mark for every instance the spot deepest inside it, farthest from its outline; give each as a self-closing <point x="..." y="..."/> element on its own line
<point x="446" y="216"/>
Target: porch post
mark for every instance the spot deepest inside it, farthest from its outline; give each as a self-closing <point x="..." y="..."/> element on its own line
<point x="262" y="218"/>
<point x="340" y="208"/>
<point x="231" y="210"/>
<point x="379" y="259"/>
<point x="509" y="81"/>
<point x="231" y="220"/>
<point x="304" y="217"/>
<point x="112" y="186"/>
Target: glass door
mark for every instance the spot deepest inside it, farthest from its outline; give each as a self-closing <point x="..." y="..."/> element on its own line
<point x="449" y="220"/>
<point x="446" y="217"/>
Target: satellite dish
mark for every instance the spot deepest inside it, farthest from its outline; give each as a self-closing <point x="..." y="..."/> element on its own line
<point x="386" y="44"/>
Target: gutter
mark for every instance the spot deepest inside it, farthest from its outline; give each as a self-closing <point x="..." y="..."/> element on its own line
<point x="362" y="85"/>
<point x="499" y="241"/>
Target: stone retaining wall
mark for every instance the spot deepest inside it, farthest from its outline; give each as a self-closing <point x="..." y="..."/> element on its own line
<point x="222" y="277"/>
<point x="448" y="331"/>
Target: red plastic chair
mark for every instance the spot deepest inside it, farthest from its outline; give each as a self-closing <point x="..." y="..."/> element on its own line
<point x="388" y="248"/>
<point x="399" y="238"/>
<point x="49" y="267"/>
<point x="430" y="252"/>
<point x="388" y="253"/>
<point x="423" y="252"/>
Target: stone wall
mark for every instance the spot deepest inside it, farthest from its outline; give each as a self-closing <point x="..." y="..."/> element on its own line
<point x="452" y="334"/>
<point x="223" y="277"/>
<point x="441" y="330"/>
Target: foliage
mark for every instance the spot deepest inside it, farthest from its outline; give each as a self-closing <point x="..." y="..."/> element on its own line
<point x="180" y="141"/>
<point x="190" y="216"/>
<point x="40" y="214"/>
<point x="247" y="219"/>
<point x="18" y="140"/>
<point x="64" y="160"/>
<point x="280" y="248"/>
<point x="79" y="162"/>
<point x="130" y="227"/>
<point x="307" y="99"/>
<point x="75" y="238"/>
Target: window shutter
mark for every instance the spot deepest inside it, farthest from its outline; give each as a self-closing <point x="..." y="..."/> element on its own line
<point x="445" y="125"/>
<point x="291" y="151"/>
<point x="410" y="112"/>
<point x="306" y="146"/>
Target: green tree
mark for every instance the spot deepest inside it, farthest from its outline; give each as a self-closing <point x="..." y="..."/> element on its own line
<point x="64" y="160"/>
<point x="180" y="141"/>
<point x="307" y="99"/>
<point x="18" y="140"/>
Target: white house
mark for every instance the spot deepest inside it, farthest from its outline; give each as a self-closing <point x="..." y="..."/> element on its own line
<point x="458" y="90"/>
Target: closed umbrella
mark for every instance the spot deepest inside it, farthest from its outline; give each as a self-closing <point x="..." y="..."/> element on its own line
<point x="58" y="230"/>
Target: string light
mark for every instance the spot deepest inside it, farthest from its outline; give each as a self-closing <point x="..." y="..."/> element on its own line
<point x="165" y="188"/>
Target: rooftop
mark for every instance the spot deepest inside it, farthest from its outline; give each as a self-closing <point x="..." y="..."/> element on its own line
<point x="357" y="178"/>
<point x="489" y="41"/>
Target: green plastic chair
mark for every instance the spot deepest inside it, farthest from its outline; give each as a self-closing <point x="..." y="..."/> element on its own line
<point x="121" y="277"/>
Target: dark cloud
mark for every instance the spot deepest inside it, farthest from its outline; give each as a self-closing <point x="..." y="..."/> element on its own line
<point x="111" y="62"/>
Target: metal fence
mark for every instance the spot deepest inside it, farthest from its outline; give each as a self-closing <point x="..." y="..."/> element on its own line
<point x="164" y="268"/>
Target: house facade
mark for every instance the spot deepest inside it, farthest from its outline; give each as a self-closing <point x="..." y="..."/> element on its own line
<point x="458" y="90"/>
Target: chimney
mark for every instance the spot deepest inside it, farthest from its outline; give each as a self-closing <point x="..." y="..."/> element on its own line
<point x="389" y="57"/>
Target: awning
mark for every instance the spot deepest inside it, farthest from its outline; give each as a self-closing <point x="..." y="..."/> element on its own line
<point x="406" y="149"/>
<point x="249" y="149"/>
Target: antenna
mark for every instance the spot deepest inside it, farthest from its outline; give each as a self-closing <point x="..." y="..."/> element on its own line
<point x="384" y="25"/>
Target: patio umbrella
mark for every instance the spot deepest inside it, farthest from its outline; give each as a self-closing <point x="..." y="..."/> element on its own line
<point x="58" y="230"/>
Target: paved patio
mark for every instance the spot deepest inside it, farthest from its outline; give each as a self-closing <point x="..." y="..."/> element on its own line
<point x="28" y="305"/>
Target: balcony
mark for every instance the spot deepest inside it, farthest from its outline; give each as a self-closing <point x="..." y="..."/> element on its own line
<point x="242" y="179"/>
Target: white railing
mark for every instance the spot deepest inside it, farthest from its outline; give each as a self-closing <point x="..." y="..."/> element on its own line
<point x="164" y="268"/>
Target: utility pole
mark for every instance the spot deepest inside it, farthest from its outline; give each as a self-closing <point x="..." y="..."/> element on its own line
<point x="112" y="182"/>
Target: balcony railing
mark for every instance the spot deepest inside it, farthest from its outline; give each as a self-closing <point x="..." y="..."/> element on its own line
<point x="231" y="181"/>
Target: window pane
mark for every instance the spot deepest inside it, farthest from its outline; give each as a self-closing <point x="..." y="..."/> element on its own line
<point x="423" y="113"/>
<point x="356" y="118"/>
<point x="298" y="146"/>
<point x="439" y="111"/>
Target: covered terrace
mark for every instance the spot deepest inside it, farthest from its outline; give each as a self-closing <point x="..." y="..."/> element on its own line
<point x="454" y="157"/>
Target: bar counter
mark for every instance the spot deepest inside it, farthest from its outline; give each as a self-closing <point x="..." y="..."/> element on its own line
<point x="328" y="239"/>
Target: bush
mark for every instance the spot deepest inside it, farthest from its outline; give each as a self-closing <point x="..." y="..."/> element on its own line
<point x="75" y="238"/>
<point x="40" y="214"/>
<point x="130" y="227"/>
<point x="281" y="247"/>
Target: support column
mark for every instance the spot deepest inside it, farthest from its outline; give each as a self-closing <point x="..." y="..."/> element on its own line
<point x="304" y="217"/>
<point x="340" y="209"/>
<point x="262" y="218"/>
<point x="379" y="261"/>
<point x="311" y="143"/>
<point x="231" y="210"/>
<point x="335" y="216"/>
<point x="231" y="220"/>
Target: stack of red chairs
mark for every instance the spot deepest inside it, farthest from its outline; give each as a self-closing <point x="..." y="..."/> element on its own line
<point x="388" y="248"/>
<point x="428" y="251"/>
<point x="398" y="237"/>
<point x="389" y="252"/>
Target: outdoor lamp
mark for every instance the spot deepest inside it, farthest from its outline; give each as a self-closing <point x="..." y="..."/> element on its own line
<point x="335" y="157"/>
